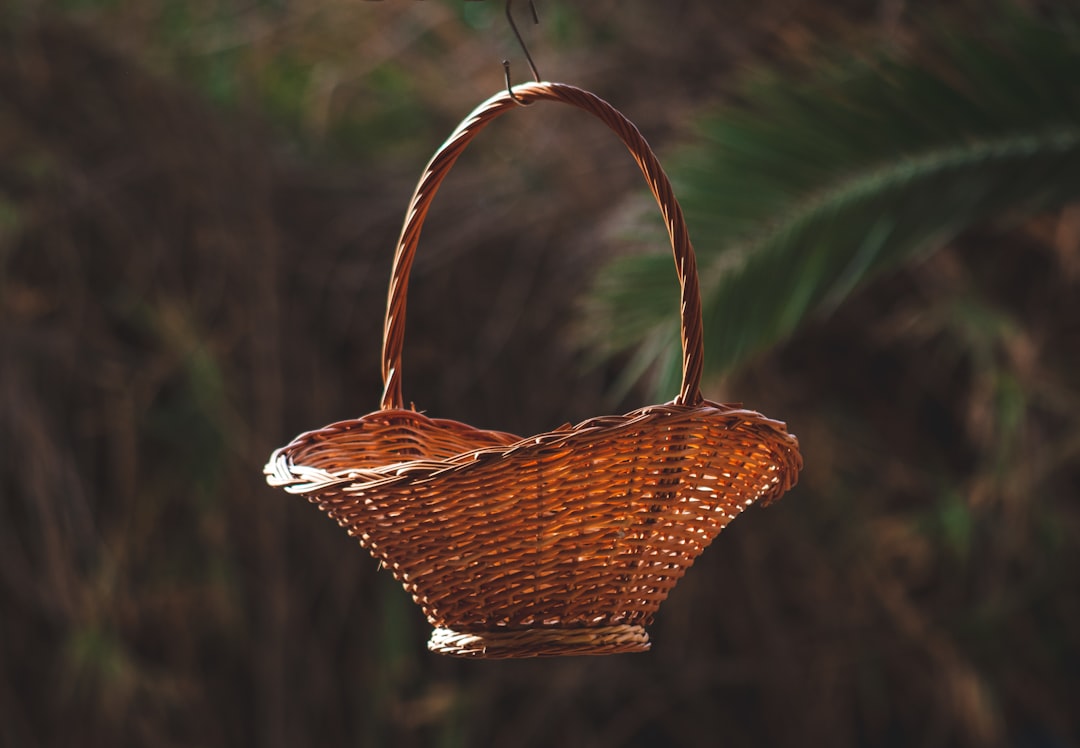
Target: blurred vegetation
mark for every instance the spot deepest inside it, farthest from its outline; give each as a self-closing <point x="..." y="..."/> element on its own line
<point x="198" y="202"/>
<point x="804" y="190"/>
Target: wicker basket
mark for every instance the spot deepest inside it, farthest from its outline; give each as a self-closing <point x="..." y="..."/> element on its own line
<point x="561" y="543"/>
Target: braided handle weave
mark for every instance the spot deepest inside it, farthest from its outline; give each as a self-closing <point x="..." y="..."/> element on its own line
<point x="439" y="167"/>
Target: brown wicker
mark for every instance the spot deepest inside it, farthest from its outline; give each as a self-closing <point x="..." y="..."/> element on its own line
<point x="562" y="543"/>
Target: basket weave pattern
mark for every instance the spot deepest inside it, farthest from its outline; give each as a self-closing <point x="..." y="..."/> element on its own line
<point x="561" y="543"/>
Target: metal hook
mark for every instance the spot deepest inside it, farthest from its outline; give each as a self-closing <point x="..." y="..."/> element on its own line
<point x="525" y="49"/>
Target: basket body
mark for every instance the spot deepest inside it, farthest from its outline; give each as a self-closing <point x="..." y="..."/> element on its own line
<point x="561" y="543"/>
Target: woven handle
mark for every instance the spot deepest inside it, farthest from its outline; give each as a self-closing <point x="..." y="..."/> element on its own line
<point x="439" y="167"/>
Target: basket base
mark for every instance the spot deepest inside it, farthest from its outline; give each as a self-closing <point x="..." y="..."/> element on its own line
<point x="540" y="642"/>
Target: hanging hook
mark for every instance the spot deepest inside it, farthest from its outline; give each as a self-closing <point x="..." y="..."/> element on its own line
<point x="525" y="49"/>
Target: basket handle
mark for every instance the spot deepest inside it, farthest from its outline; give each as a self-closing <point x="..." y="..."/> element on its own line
<point x="439" y="167"/>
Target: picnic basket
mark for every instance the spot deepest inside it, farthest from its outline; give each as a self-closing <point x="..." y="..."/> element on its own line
<point x="561" y="543"/>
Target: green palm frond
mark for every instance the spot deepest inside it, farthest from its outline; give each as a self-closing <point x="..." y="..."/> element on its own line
<point x="806" y="190"/>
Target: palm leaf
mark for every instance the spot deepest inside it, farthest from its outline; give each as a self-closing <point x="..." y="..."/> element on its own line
<point x="805" y="191"/>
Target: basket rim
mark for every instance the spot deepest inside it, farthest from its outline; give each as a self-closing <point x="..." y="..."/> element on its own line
<point x="296" y="477"/>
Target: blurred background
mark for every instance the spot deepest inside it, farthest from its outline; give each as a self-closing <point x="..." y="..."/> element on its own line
<point x="199" y="201"/>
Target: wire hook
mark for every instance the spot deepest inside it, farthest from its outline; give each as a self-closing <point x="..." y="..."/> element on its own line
<point x="525" y="49"/>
